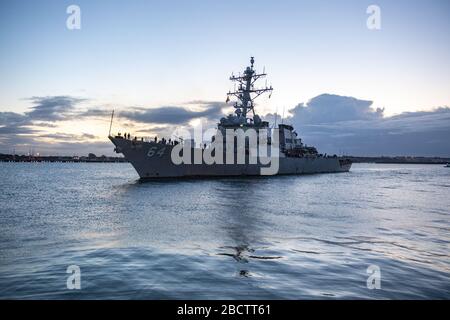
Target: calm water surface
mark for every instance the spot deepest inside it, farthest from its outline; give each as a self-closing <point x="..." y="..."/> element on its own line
<point x="282" y="237"/>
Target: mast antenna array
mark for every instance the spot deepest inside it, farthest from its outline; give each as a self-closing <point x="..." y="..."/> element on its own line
<point x="246" y="92"/>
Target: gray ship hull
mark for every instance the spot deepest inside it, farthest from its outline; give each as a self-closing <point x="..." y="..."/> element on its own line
<point x="153" y="160"/>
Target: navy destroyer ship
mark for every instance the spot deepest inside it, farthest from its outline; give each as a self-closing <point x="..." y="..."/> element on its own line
<point x="244" y="145"/>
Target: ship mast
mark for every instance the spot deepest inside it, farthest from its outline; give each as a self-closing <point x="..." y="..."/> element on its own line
<point x="246" y="92"/>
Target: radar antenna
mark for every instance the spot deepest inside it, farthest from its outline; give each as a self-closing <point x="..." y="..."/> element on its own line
<point x="246" y="92"/>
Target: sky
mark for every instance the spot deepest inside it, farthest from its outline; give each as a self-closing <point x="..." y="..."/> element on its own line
<point x="162" y="64"/>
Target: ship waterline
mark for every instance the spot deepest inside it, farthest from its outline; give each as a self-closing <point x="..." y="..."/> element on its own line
<point x="162" y="166"/>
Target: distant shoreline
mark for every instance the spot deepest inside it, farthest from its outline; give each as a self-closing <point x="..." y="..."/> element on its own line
<point x="91" y="158"/>
<point x="399" y="160"/>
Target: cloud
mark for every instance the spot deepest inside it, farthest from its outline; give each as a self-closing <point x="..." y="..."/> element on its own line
<point x="67" y="136"/>
<point x="31" y="128"/>
<point x="12" y="130"/>
<point x="43" y="111"/>
<point x="52" y="108"/>
<point x="328" y="108"/>
<point x="12" y="118"/>
<point x="337" y="124"/>
<point x="28" y="129"/>
<point x="14" y="123"/>
<point x="173" y="114"/>
<point x="95" y="113"/>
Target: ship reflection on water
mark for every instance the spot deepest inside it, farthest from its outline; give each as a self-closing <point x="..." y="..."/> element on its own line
<point x="241" y="223"/>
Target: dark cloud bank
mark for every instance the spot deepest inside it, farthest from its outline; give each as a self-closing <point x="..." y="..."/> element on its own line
<point x="43" y="112"/>
<point x="335" y="124"/>
<point x="175" y="115"/>
<point x="26" y="131"/>
<point x="23" y="132"/>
